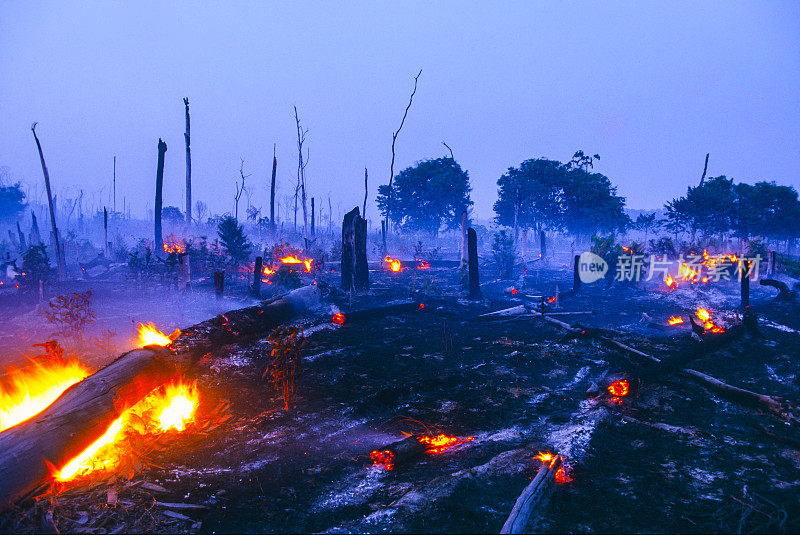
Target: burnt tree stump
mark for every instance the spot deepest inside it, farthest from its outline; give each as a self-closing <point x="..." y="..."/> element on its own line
<point x="361" y="275"/>
<point x="576" y="275"/>
<point x="257" y="277"/>
<point x="745" y="279"/>
<point x="219" y="283"/>
<point x="472" y="261"/>
<point x="349" y="249"/>
<point x="162" y="148"/>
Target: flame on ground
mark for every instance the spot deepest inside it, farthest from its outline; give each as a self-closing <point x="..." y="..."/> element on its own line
<point x="266" y="271"/>
<point x="166" y="409"/>
<point x="174" y="245"/>
<point x="547" y="458"/>
<point x="393" y="263"/>
<point x="422" y="264"/>
<point x="150" y="335"/>
<point x="550" y="459"/>
<point x="29" y="390"/>
<point x="383" y="458"/>
<point x="704" y="316"/>
<point x="293" y="259"/>
<point x="441" y="442"/>
<point x="338" y="318"/>
<point x="675" y="320"/>
<point x="552" y="299"/>
<point x="670" y="282"/>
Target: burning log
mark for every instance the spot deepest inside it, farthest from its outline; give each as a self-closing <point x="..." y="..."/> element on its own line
<point x="533" y="497"/>
<point x="79" y="417"/>
<point x="85" y="411"/>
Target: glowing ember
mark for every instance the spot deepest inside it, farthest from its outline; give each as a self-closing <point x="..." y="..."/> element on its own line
<point x="293" y="259"/>
<point x="689" y="274"/>
<point x="383" y="458"/>
<point x="165" y="409"/>
<point x="705" y="317"/>
<point x="338" y="318"/>
<point x="420" y="306"/>
<point x="619" y="388"/>
<point x="267" y="271"/>
<point x="562" y="476"/>
<point x="149" y="335"/>
<point x="552" y="299"/>
<point x="675" y="320"/>
<point x="27" y="391"/>
<point x="514" y="291"/>
<point x="422" y="264"/>
<point x="441" y="443"/>
<point x="393" y="263"/>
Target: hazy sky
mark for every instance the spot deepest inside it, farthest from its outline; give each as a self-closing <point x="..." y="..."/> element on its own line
<point x="650" y="86"/>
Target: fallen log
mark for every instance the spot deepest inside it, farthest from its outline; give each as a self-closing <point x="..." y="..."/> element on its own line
<point x="85" y="411"/>
<point x="382" y="312"/>
<point x="398" y="453"/>
<point x="533" y="497"/>
<point x="784" y="294"/>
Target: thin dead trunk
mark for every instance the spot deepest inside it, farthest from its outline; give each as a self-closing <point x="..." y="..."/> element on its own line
<point x="272" y="193"/>
<point x="162" y="148"/>
<point x="188" y="166"/>
<point x="60" y="259"/>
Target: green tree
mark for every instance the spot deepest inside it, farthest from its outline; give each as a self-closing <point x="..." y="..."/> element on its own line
<point x="767" y="210"/>
<point x="646" y="223"/>
<point x="234" y="241"/>
<point x="172" y="214"/>
<point x="35" y="268"/>
<point x="590" y="204"/>
<point x="12" y="201"/>
<point x="529" y="196"/>
<point x="427" y="195"/>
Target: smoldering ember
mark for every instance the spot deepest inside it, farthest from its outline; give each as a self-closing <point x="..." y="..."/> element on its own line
<point x="431" y="268"/>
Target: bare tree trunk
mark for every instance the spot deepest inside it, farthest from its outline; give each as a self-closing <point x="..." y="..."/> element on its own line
<point x="349" y="249"/>
<point x="301" y="173"/>
<point x="391" y="167"/>
<point x="366" y="178"/>
<point x="463" y="264"/>
<point x="114" y="184"/>
<point x="330" y="216"/>
<point x="312" y="217"/>
<point x="60" y="259"/>
<point x="361" y="276"/>
<point x="105" y="230"/>
<point x="272" y="193"/>
<point x="474" y="283"/>
<point x="162" y="148"/>
<point x="188" y="167"/>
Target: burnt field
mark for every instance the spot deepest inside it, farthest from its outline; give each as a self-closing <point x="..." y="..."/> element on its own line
<point x="670" y="455"/>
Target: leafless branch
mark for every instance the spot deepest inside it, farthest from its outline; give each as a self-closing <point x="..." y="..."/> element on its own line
<point x="394" y="140"/>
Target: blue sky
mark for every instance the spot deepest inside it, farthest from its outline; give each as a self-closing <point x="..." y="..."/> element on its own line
<point x="650" y="86"/>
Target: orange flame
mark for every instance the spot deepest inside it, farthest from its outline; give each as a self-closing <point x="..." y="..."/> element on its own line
<point x="547" y="458"/>
<point x="165" y="409"/>
<point x="675" y="320"/>
<point x="293" y="259"/>
<point x="150" y="335"/>
<point x="338" y="318"/>
<point x="266" y="271"/>
<point x="552" y="299"/>
<point x="394" y="264"/>
<point x="705" y="317"/>
<point x="422" y="264"/>
<point x="441" y="443"/>
<point x="514" y="291"/>
<point x="670" y="282"/>
<point x="174" y="245"/>
<point x="562" y="476"/>
<point x="550" y="459"/>
<point x="29" y="390"/>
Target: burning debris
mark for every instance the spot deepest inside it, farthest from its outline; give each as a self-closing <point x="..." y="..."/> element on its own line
<point x="27" y="391"/>
<point x="393" y="264"/>
<point x="675" y="320"/>
<point x="704" y="316"/>
<point x="422" y="264"/>
<point x="338" y="318"/>
<point x="413" y="446"/>
<point x="149" y="334"/>
<point x="619" y="389"/>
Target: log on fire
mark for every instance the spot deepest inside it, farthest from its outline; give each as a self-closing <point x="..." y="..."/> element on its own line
<point x="85" y="411"/>
<point x="533" y="497"/>
<point x="398" y="453"/>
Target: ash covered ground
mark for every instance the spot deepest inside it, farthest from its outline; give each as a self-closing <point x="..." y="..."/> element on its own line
<point x="671" y="456"/>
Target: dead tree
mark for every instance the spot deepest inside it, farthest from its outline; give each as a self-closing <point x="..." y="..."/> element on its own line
<point x="576" y="276"/>
<point x="60" y="259"/>
<point x="312" y="217"/>
<point x="472" y="248"/>
<point x="113" y="185"/>
<point x="188" y="166"/>
<point x="705" y="169"/>
<point x="361" y="275"/>
<point x="257" y="268"/>
<point x="22" y="245"/>
<point x="105" y="230"/>
<point x="272" y="193"/>
<point x="239" y="190"/>
<point x="301" y="173"/>
<point x="366" y="189"/>
<point x="451" y="150"/>
<point x="391" y="167"/>
<point x="349" y="249"/>
<point x="162" y="148"/>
